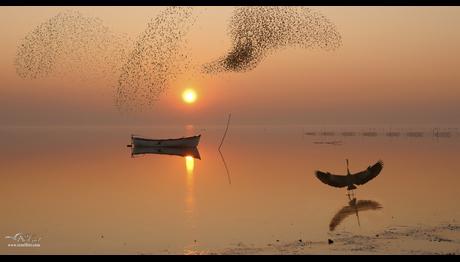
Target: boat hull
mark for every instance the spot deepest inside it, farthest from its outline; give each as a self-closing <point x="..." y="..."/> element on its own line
<point x="177" y="142"/>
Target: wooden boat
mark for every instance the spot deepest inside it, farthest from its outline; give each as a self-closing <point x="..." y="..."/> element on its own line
<point x="175" y="151"/>
<point x="175" y="142"/>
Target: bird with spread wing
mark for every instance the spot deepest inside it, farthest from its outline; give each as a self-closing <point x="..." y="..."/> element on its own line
<point x="350" y="180"/>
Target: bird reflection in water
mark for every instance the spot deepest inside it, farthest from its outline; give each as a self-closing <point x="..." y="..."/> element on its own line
<point x="353" y="208"/>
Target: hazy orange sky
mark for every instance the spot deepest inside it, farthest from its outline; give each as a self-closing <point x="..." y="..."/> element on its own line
<point x="396" y="65"/>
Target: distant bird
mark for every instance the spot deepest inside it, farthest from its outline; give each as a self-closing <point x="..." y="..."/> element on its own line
<point x="350" y="180"/>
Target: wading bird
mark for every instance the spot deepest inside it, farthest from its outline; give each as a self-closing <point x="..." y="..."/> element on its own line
<point x="350" y="180"/>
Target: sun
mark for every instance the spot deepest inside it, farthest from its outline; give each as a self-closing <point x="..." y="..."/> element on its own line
<point x="189" y="96"/>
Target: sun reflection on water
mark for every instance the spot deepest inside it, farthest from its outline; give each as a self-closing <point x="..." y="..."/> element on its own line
<point x="190" y="191"/>
<point x="189" y="165"/>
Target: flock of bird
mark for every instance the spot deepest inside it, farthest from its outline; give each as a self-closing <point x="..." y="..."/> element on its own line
<point x="70" y="42"/>
<point x="258" y="31"/>
<point x="143" y="69"/>
<point x="159" y="56"/>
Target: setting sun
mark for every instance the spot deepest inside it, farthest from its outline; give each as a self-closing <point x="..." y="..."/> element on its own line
<point x="189" y="96"/>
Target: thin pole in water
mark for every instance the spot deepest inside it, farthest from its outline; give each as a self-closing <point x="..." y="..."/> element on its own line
<point x="226" y="129"/>
<point x="220" y="152"/>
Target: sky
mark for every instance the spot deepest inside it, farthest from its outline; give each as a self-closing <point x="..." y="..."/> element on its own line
<point x="396" y="66"/>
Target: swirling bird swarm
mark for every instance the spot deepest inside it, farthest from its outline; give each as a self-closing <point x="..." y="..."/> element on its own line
<point x="70" y="43"/>
<point x="158" y="57"/>
<point x="141" y="71"/>
<point x="258" y="31"/>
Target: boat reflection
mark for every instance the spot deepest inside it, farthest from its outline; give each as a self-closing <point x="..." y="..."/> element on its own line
<point x="190" y="154"/>
<point x="353" y="208"/>
<point x="175" y="151"/>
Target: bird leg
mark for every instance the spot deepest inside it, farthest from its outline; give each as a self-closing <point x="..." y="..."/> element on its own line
<point x="351" y="193"/>
<point x="357" y="216"/>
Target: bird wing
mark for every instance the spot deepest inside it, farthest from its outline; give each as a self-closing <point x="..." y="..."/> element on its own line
<point x="368" y="174"/>
<point x="363" y="205"/>
<point x="332" y="180"/>
<point x="343" y="213"/>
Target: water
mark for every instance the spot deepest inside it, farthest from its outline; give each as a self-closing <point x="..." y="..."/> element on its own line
<point x="80" y="190"/>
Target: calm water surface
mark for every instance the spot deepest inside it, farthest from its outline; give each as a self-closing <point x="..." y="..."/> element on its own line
<point x="80" y="190"/>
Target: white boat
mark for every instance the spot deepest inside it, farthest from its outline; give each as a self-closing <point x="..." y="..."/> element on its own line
<point x="175" y="142"/>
